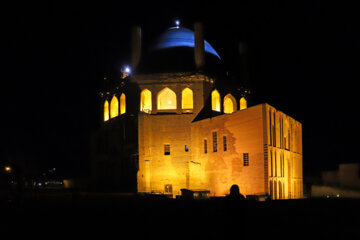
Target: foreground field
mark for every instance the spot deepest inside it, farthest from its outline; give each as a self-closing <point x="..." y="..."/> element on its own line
<point x="118" y="215"/>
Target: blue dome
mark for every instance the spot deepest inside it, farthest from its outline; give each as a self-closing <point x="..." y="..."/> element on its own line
<point x="181" y="37"/>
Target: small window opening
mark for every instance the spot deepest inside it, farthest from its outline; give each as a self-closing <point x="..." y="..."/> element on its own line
<point x="225" y="143"/>
<point x="205" y="146"/>
<point x="214" y="141"/>
<point x="246" y="159"/>
<point x="167" y="149"/>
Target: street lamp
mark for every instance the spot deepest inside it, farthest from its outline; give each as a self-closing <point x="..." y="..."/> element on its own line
<point x="7" y="169"/>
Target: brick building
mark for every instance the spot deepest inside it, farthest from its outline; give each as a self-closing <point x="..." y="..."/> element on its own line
<point x="176" y="123"/>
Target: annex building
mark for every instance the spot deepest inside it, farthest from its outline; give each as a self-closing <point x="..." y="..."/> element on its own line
<point x="174" y="123"/>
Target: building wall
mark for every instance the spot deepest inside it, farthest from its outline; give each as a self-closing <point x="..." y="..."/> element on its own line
<point x="344" y="182"/>
<point x="218" y="171"/>
<point x="271" y="139"/>
<point x="114" y="155"/>
<point x="349" y="175"/>
<point x="157" y="170"/>
<point x="284" y="141"/>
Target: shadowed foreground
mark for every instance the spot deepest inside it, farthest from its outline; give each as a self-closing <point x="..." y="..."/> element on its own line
<point x="82" y="215"/>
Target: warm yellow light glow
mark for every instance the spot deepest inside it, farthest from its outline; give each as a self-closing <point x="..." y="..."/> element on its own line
<point x="166" y="99"/>
<point x="215" y="101"/>
<point x="187" y="99"/>
<point x="145" y="101"/>
<point x="122" y="104"/>
<point x="229" y="104"/>
<point x="106" y="110"/>
<point x="114" y="107"/>
<point x="8" y="169"/>
<point x="243" y="103"/>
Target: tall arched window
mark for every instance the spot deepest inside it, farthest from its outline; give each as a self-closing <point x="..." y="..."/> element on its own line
<point x="243" y="103"/>
<point x="187" y="101"/>
<point x="114" y="107"/>
<point x="166" y="99"/>
<point x="215" y="101"/>
<point x="122" y="103"/>
<point x="229" y="104"/>
<point x="106" y="111"/>
<point x="145" y="101"/>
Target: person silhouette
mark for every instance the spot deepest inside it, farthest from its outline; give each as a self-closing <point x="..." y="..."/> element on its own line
<point x="235" y="193"/>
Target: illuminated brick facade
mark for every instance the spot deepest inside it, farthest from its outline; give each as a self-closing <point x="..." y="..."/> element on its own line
<point x="244" y="153"/>
<point x="173" y="130"/>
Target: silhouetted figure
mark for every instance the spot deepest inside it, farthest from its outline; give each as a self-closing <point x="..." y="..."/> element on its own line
<point x="235" y="193"/>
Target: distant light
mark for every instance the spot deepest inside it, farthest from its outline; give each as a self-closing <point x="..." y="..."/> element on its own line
<point x="177" y="23"/>
<point x="8" y="169"/>
<point x="127" y="69"/>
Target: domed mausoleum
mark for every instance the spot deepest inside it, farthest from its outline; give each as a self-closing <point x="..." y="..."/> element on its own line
<point x="173" y="124"/>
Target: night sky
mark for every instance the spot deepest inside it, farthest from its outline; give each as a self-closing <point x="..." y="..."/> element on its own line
<point x="302" y="60"/>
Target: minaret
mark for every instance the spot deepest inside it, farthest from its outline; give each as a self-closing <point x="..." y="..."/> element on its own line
<point x="199" y="50"/>
<point x="135" y="47"/>
<point x="244" y="66"/>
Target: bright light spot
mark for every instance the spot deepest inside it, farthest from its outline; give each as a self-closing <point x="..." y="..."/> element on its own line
<point x="8" y="169"/>
<point x="215" y="101"/>
<point x="338" y="195"/>
<point x="114" y="107"/>
<point x="145" y="101"/>
<point x="106" y="110"/>
<point x="166" y="99"/>
<point x="127" y="69"/>
<point x="243" y="103"/>
<point x="177" y="23"/>
<point x="187" y="99"/>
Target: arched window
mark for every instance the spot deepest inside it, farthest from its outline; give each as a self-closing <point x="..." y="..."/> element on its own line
<point x="145" y="101"/>
<point x="229" y="104"/>
<point x="243" y="103"/>
<point x="187" y="99"/>
<point x="166" y="99"/>
<point x="106" y="111"/>
<point x="215" y="101"/>
<point x="122" y="103"/>
<point x="114" y="107"/>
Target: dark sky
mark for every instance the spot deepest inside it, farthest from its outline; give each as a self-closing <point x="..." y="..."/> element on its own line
<point x="302" y="60"/>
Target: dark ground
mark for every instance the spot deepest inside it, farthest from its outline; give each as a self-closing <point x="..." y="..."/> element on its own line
<point x="116" y="216"/>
